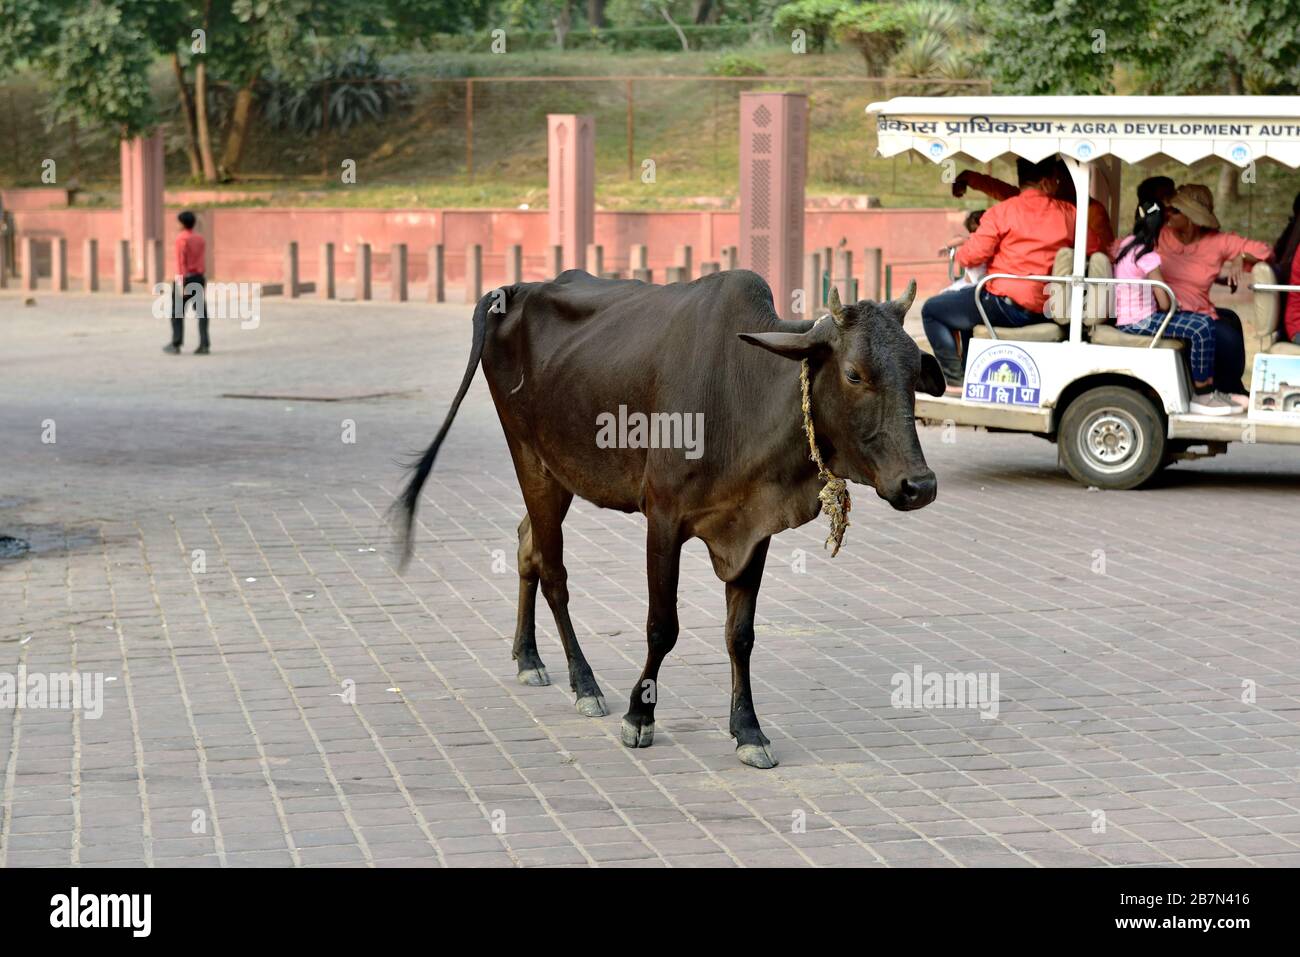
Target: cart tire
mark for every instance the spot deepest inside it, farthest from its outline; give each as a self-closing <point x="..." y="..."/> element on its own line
<point x="1112" y="437"/>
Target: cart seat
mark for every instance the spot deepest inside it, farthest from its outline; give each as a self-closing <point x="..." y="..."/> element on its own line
<point x="1108" y="335"/>
<point x="1035" y="332"/>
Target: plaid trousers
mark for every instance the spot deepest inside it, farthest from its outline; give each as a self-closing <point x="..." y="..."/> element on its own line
<point x="1195" y="328"/>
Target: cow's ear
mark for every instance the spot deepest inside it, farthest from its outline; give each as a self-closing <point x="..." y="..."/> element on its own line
<point x="903" y="303"/>
<point x="931" y="381"/>
<point x="792" y="345"/>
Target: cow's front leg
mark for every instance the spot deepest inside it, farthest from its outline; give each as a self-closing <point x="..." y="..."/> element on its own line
<point x="752" y="746"/>
<point x="663" y="558"/>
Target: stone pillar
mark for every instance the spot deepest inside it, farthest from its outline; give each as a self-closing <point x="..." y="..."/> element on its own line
<point x="554" y="261"/>
<point x="709" y="268"/>
<point x="153" y="264"/>
<point x="637" y="258"/>
<point x="59" y="264"/>
<point x="291" y="270"/>
<point x="90" y="265"/>
<point x="842" y="275"/>
<point x="437" y="274"/>
<point x="325" y="276"/>
<point x="363" y="272"/>
<point x="645" y="275"/>
<point x="571" y="199"/>
<point x="595" y="263"/>
<point x="514" y="265"/>
<point x="675" y="274"/>
<point x="773" y="165"/>
<point x="473" y="273"/>
<point x="730" y="257"/>
<point x="142" y="196"/>
<point x="397" y="275"/>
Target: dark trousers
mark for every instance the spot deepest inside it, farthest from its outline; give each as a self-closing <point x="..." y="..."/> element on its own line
<point x="198" y="298"/>
<point x="1229" y="352"/>
<point x="950" y="315"/>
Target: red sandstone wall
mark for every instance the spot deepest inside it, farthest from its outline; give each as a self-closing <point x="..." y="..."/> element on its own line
<point x="248" y="243"/>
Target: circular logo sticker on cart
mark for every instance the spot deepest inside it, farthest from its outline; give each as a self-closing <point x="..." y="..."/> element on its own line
<point x="1003" y="374"/>
<point x="1240" y="153"/>
<point x="1084" y="150"/>
<point x="936" y="148"/>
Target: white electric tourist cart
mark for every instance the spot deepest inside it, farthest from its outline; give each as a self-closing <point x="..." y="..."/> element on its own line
<point x="1116" y="404"/>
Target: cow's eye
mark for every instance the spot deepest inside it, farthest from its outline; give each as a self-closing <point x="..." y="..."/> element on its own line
<point x="852" y="376"/>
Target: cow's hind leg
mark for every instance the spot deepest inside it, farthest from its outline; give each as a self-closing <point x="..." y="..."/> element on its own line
<point x="531" y="669"/>
<point x="548" y="502"/>
<point x="663" y="559"/>
<point x="752" y="745"/>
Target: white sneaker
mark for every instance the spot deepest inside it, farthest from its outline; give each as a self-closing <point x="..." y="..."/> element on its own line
<point x="1212" y="403"/>
<point x="1240" y="401"/>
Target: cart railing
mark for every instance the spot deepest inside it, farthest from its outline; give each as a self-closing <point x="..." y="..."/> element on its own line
<point x="1074" y="282"/>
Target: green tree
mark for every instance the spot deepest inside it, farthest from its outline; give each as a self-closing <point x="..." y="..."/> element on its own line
<point x="814" y="17"/>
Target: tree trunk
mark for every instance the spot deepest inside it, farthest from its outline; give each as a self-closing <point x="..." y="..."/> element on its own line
<point x="1229" y="175"/>
<point x="187" y="108"/>
<point x="673" y="23"/>
<point x="703" y="12"/>
<point x="596" y="13"/>
<point x="562" y="24"/>
<point x="238" y="133"/>
<point x="201" y="110"/>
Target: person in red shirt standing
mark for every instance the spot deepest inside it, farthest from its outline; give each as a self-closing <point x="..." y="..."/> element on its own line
<point x="1020" y="236"/>
<point x="190" y="255"/>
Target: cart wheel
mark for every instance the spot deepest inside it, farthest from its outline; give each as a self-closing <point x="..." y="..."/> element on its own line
<point x="1112" y="437"/>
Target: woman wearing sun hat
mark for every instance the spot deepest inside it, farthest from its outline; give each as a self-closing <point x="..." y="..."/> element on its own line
<point x="1193" y="250"/>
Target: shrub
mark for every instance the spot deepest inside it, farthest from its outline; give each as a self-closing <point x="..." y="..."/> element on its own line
<point x="814" y="17"/>
<point x="875" y="29"/>
<point x="354" y="86"/>
<point x="736" y="64"/>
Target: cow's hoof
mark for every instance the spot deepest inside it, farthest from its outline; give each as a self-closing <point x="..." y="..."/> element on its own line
<point x="634" y="737"/>
<point x="757" y="756"/>
<point x="593" y="706"/>
<point x="536" y="677"/>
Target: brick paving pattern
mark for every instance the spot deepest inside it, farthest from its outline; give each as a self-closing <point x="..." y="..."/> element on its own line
<point x="277" y="694"/>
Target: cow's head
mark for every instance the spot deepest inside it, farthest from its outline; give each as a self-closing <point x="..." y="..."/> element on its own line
<point x="865" y="372"/>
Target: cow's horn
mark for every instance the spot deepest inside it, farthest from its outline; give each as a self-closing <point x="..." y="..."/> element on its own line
<point x="904" y="302"/>
<point x="835" y="306"/>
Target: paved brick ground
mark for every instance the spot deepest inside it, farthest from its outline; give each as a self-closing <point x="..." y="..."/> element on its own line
<point x="283" y="692"/>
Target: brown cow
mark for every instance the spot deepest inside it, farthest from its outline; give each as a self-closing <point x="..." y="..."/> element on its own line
<point x="726" y="460"/>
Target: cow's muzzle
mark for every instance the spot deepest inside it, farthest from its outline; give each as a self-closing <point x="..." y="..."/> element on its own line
<point x="915" y="491"/>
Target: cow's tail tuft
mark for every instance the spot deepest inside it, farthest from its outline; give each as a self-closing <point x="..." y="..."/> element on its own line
<point x="403" y="509"/>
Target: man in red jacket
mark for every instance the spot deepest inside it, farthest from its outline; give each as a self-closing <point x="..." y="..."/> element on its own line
<point x="190" y="254"/>
<point x="1019" y="236"/>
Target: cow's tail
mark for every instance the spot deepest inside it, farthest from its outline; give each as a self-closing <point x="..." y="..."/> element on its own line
<point x="408" y="500"/>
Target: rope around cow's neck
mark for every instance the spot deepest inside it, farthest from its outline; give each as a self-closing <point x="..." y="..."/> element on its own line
<point x="834" y="495"/>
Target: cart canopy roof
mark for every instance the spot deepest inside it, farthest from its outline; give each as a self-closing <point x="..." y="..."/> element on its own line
<point x="1239" y="129"/>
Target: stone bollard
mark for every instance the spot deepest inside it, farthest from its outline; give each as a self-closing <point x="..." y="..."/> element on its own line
<point x="554" y="261"/>
<point x="122" y="267"/>
<point x="730" y="257"/>
<point x="638" y="257"/>
<point x="291" y="271"/>
<point x="683" y="259"/>
<point x="842" y="275"/>
<point x="90" y="264"/>
<point x="675" y="274"/>
<point x="59" y="264"/>
<point x="325" y="275"/>
<point x="709" y="268"/>
<point x="397" y="273"/>
<point x="363" y="272"/>
<point x="29" y="264"/>
<point x="473" y="272"/>
<point x="437" y="274"/>
<point x="154" y="275"/>
<point x="514" y="265"/>
<point x="871" y="265"/>
<point x="812" y="285"/>
<point x="595" y="259"/>
<point x="645" y="275"/>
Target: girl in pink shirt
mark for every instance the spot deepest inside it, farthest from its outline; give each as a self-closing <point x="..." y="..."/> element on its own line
<point x="1141" y="309"/>
<point x="1192" y="252"/>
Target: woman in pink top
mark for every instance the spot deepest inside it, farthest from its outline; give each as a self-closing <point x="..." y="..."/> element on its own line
<point x="1286" y="258"/>
<point x="1192" y="253"/>
<point x="1141" y="309"/>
